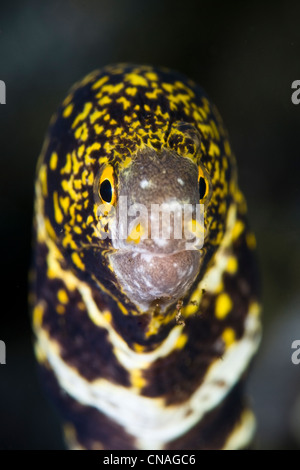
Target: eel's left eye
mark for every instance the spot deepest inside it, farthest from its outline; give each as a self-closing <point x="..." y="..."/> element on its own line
<point x="107" y="186"/>
<point x="202" y="187"/>
<point x="203" y="184"/>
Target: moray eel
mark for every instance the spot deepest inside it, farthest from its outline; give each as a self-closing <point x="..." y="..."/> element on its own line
<point x="143" y="342"/>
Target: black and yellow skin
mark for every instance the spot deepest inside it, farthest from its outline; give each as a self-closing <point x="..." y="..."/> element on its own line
<point x="137" y="352"/>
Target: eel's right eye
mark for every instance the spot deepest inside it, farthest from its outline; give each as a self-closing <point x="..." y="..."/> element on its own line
<point x="106" y="191"/>
<point x="107" y="186"/>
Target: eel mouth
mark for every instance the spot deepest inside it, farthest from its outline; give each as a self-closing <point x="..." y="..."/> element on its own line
<point x="159" y="278"/>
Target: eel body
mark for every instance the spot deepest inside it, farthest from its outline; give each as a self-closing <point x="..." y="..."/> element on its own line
<point x="144" y="341"/>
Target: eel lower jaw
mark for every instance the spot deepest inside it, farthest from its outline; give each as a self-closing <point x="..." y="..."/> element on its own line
<point x="149" y="278"/>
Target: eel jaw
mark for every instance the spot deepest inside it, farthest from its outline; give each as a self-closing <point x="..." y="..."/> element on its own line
<point x="149" y="278"/>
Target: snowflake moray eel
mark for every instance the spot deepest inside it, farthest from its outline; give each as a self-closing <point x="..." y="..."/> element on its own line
<point x="142" y="343"/>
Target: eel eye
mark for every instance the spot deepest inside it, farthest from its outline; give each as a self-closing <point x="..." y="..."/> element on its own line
<point x="107" y="186"/>
<point x="203" y="184"/>
<point x="106" y="191"/>
<point x="202" y="187"/>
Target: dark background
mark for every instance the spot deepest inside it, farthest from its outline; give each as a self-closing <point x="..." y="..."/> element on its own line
<point x="246" y="55"/>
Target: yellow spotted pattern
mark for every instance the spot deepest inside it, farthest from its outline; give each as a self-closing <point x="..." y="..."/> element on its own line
<point x="103" y="122"/>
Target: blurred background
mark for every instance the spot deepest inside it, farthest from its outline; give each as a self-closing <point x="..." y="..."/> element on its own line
<point x="246" y="56"/>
